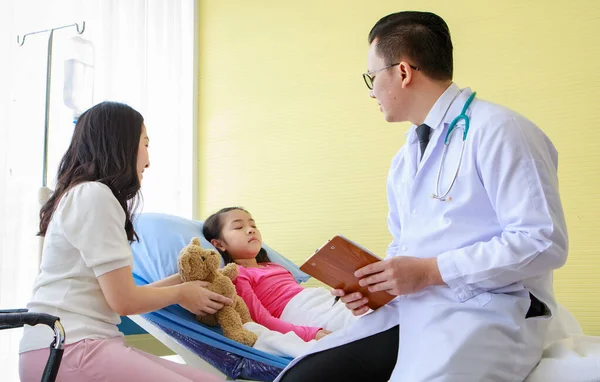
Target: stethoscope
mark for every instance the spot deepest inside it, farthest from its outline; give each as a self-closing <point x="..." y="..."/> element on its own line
<point x="462" y="116"/>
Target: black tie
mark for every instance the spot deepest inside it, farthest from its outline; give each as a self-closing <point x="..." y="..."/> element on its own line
<point x="423" y="134"/>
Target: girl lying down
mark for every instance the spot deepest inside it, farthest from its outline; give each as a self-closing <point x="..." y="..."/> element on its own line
<point x="273" y="296"/>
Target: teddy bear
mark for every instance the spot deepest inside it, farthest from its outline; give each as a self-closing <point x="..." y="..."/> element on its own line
<point x="197" y="263"/>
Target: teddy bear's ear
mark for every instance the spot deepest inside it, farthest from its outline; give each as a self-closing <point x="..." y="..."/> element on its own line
<point x="195" y="241"/>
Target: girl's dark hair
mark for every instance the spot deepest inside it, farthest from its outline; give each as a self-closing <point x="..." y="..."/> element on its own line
<point x="213" y="227"/>
<point x="104" y="149"/>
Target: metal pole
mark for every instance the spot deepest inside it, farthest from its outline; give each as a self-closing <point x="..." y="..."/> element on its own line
<point x="48" y="88"/>
<point x="44" y="192"/>
<point x="47" y="112"/>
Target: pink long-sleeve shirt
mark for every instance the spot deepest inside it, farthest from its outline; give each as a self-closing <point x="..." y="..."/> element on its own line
<point x="267" y="290"/>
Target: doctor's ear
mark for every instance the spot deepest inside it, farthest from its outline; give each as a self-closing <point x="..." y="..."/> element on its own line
<point x="406" y="72"/>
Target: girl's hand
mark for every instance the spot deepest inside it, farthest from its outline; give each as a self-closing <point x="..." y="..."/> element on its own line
<point x="321" y="333"/>
<point x="194" y="297"/>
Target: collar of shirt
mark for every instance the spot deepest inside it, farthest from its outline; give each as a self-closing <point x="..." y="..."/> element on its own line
<point x="437" y="113"/>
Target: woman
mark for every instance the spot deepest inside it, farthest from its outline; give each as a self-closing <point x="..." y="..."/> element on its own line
<point x="85" y="276"/>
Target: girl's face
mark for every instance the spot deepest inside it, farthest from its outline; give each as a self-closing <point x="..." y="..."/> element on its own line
<point x="239" y="235"/>
<point x="143" y="158"/>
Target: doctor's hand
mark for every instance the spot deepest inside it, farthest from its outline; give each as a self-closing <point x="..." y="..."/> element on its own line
<point x="400" y="275"/>
<point x="194" y="297"/>
<point x="354" y="301"/>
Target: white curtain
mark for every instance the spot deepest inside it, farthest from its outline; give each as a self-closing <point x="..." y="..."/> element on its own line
<point x="144" y="56"/>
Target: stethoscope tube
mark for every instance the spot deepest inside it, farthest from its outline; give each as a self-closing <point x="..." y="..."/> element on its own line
<point x="462" y="116"/>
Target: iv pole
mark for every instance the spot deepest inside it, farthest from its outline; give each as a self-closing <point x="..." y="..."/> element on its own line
<point x="48" y="85"/>
<point x="44" y="191"/>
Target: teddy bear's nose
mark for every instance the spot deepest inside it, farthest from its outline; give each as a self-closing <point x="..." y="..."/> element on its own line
<point x="203" y="258"/>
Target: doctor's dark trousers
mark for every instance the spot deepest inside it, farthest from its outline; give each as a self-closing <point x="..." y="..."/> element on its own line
<point x="369" y="359"/>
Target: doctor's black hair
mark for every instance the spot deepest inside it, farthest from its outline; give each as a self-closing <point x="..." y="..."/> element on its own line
<point x="213" y="229"/>
<point x="420" y="37"/>
<point x="104" y="149"/>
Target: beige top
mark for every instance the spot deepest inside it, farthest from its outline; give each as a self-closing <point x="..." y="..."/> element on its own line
<point x="85" y="239"/>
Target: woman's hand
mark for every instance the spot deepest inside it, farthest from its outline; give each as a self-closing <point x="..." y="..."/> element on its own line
<point x="321" y="333"/>
<point x="194" y="296"/>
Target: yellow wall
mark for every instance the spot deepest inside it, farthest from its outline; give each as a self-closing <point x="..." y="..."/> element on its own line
<point x="287" y="129"/>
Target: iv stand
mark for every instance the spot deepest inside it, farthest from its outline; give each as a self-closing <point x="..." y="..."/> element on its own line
<point x="45" y="192"/>
<point x="48" y="85"/>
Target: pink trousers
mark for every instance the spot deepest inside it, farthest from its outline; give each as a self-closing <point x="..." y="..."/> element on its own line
<point x="108" y="360"/>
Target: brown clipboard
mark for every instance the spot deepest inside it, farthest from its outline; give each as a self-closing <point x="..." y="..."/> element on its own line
<point x="335" y="263"/>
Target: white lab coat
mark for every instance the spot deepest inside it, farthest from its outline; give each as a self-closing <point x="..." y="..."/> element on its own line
<point x="497" y="239"/>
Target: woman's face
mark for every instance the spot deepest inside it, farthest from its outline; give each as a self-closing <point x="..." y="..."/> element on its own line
<point x="143" y="158"/>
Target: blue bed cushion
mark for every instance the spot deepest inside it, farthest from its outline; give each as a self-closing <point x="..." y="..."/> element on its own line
<point x="161" y="238"/>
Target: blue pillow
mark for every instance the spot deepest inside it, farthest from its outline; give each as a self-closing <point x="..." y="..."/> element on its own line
<point x="161" y="238"/>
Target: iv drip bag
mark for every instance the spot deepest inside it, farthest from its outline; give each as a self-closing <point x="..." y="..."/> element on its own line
<point x="78" y="87"/>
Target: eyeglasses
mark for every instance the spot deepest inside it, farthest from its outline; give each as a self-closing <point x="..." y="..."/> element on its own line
<point x="370" y="78"/>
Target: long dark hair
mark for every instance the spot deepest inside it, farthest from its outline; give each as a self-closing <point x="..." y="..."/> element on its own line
<point x="212" y="229"/>
<point x="103" y="149"/>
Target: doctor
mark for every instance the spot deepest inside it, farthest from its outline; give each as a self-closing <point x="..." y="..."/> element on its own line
<point x="477" y="227"/>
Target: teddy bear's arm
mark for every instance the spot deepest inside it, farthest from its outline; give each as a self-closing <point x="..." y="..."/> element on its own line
<point x="230" y="270"/>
